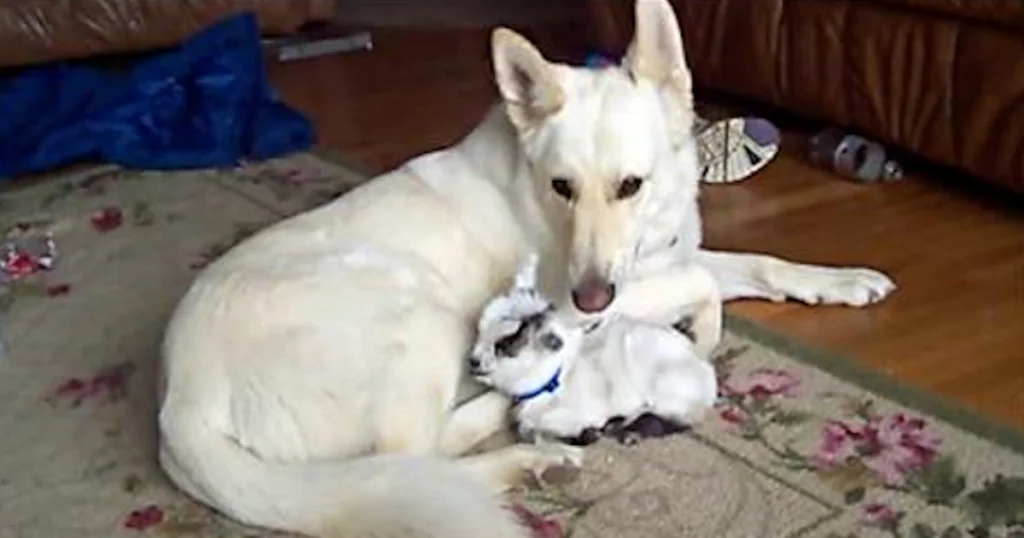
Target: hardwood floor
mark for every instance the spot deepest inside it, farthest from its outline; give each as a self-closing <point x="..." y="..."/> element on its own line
<point x="419" y="89"/>
<point x="955" y="326"/>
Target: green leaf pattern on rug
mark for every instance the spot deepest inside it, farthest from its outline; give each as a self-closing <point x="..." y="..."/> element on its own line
<point x="65" y="205"/>
<point x="874" y="461"/>
<point x="877" y="469"/>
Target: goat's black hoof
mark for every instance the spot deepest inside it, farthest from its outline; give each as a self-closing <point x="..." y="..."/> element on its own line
<point x="651" y="425"/>
<point x="615" y="428"/>
<point x="587" y="437"/>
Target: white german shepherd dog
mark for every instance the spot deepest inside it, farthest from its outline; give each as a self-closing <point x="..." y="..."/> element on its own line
<point x="310" y="376"/>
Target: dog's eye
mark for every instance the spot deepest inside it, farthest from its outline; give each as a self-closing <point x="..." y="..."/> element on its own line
<point x="562" y="187"/>
<point x="629" y="187"/>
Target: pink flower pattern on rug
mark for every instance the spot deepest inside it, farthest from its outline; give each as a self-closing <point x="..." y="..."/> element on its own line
<point x="880" y="515"/>
<point x="892" y="446"/>
<point x="867" y="453"/>
<point x="763" y="383"/>
<point x="870" y="457"/>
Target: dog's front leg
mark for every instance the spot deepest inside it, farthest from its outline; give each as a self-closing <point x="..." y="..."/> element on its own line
<point x="666" y="296"/>
<point x="474" y="421"/>
<point x="503" y="468"/>
<point x="760" y="276"/>
<point x="507" y="467"/>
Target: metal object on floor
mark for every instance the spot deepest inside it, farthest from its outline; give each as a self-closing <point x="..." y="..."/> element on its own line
<point x="317" y="43"/>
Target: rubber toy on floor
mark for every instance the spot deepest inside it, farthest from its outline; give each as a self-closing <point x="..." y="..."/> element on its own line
<point x="206" y="103"/>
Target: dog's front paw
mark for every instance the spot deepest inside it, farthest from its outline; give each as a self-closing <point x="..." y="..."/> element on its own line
<point x="850" y="286"/>
<point x="561" y="455"/>
<point x="558" y="463"/>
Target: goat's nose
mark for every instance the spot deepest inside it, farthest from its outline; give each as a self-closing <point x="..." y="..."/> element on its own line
<point x="593" y="295"/>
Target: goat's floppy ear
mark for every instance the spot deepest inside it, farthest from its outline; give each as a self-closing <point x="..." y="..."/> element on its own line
<point x="527" y="82"/>
<point x="656" y="54"/>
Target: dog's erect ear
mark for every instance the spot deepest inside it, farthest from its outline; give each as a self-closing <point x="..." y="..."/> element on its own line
<point x="527" y="82"/>
<point x="656" y="54"/>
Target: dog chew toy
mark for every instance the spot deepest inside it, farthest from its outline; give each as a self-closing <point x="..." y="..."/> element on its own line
<point x="853" y="157"/>
<point x="735" y="148"/>
<point x="729" y="150"/>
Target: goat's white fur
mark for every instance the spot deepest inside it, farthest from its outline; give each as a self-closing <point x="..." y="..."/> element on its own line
<point x="568" y="375"/>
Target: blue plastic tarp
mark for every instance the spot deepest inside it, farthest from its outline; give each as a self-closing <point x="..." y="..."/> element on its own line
<point x="207" y="103"/>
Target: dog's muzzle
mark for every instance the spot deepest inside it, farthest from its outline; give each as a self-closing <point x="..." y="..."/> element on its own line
<point x="593" y="294"/>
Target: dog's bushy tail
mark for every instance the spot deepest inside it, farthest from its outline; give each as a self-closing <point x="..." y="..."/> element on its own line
<point x="381" y="496"/>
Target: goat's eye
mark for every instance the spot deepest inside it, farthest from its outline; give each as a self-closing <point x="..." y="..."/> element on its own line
<point x="562" y="187"/>
<point x="551" y="341"/>
<point x="506" y="347"/>
<point x="510" y="345"/>
<point x="628" y="187"/>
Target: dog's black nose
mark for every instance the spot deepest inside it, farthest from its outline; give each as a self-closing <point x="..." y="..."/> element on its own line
<point x="474" y="363"/>
<point x="593" y="294"/>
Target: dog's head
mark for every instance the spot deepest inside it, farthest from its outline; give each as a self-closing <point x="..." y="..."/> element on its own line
<point x="604" y="145"/>
<point x="521" y="340"/>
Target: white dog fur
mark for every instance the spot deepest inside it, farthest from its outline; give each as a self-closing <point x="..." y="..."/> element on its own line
<point x="567" y="375"/>
<point x="309" y="376"/>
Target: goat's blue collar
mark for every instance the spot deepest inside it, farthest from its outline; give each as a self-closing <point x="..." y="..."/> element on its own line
<point x="550" y="387"/>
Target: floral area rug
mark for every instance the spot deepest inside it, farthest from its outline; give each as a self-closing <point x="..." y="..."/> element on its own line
<point x="94" y="260"/>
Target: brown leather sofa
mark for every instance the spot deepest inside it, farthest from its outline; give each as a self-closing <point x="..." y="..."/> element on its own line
<point x="37" y="31"/>
<point x="941" y="78"/>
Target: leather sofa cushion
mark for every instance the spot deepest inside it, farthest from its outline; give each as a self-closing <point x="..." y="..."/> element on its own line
<point x="948" y="88"/>
<point x="36" y="31"/>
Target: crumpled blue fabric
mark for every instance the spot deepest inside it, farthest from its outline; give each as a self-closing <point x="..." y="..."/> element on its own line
<point x="207" y="103"/>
